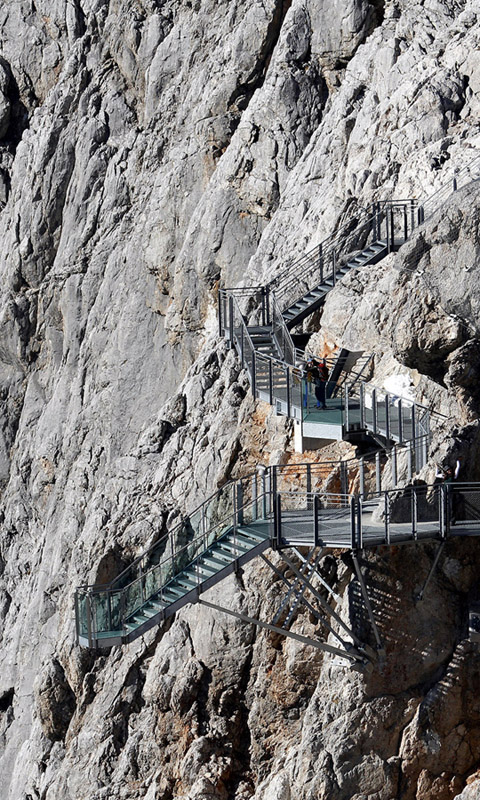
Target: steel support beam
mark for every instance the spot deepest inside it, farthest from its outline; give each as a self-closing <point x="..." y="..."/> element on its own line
<point x="326" y="607"/>
<point x="422" y="591"/>
<point x="366" y="600"/>
<point x="352" y="655"/>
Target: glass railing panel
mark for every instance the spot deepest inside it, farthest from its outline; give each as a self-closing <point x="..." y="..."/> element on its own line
<point x="407" y="421"/>
<point x="394" y="421"/>
<point x="354" y="412"/>
<point x="400" y="514"/>
<point x="464" y="508"/>
<point x="82" y="610"/>
<point x="133" y="596"/>
<point x="101" y="612"/>
<point x="428" y="510"/>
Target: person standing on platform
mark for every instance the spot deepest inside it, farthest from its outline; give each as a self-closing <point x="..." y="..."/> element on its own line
<point x="320" y="380"/>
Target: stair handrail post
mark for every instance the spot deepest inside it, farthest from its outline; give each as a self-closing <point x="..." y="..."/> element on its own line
<point x="334" y="257"/>
<point x="287" y="379"/>
<point x="359" y="523"/>
<point x="90" y="621"/>
<point x="405" y="223"/>
<point x="387" y="416"/>
<point x="255" y="496"/>
<point x="412" y="215"/>
<point x="353" y="516"/>
<point x="362" y="404"/>
<point x="374" y="409"/>
<point x="410" y="461"/>
<point x="378" y="474"/>
<point x="264" y="310"/>
<point x="343" y="477"/>
<point x="320" y="260"/>
<point x="316" y="511"/>
<point x="414" y="435"/>
<point x="231" y="320"/>
<point x="347" y="409"/>
<point x="270" y="381"/>
<point x="277" y="521"/>
<point x="220" y="314"/>
<point x="242" y="347"/>
<point x="400" y="420"/>
<point x="387" y="229"/>
<point x="394" y="465"/>
<point x="392" y="228"/>
<point x="254" y="375"/>
<point x="362" y="476"/>
<point x="239" y="493"/>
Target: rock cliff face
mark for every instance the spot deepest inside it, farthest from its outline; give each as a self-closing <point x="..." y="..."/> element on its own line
<point x="150" y="150"/>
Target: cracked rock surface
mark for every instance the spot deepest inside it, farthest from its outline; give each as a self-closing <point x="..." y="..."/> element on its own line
<point x="151" y="151"/>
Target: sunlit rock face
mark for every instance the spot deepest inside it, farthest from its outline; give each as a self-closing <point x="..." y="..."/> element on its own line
<point x="150" y="152"/>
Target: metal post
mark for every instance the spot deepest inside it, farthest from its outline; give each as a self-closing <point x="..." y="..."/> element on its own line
<point x="320" y="259"/>
<point x="374" y="409"/>
<point x="359" y="523"/>
<point x="387" y="518"/>
<point x="347" y="421"/>
<point x="278" y="520"/>
<point x="230" y="319"/>
<point x="421" y="214"/>
<point x="264" y="496"/>
<point x="287" y="378"/>
<point x="448" y="507"/>
<point x="264" y="310"/>
<point x="254" y="496"/>
<point x="400" y="422"/>
<point x="409" y="461"/>
<point x="392" y="229"/>
<point x="316" y="509"/>
<point x="412" y="215"/>
<point x="254" y="377"/>
<point x="334" y="267"/>
<point x="394" y="466"/>
<point x="455" y="184"/>
<point x="378" y="476"/>
<point x="220" y="325"/>
<point x="405" y="223"/>
<point x="414" y="434"/>
<point x="90" y="626"/>
<point x="242" y="345"/>
<point x="414" y="513"/>
<point x="270" y="381"/>
<point x="352" y="522"/>
<point x="239" y="492"/>
<point x="387" y="416"/>
<point x="309" y="478"/>
<point x="362" y="405"/>
<point x="362" y="476"/>
<point x="343" y="477"/>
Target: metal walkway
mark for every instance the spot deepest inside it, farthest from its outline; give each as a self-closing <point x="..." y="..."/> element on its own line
<point x="287" y="507"/>
<point x="170" y="575"/>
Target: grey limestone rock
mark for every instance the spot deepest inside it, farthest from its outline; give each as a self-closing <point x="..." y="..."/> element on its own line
<point x="150" y="152"/>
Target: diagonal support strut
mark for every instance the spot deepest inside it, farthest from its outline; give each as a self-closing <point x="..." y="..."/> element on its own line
<point x="352" y="655"/>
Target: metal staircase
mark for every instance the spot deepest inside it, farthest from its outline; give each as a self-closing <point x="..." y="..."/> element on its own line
<point x="314" y="298"/>
<point x="289" y="506"/>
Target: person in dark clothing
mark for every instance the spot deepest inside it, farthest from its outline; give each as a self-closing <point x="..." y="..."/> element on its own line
<point x="320" y="381"/>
